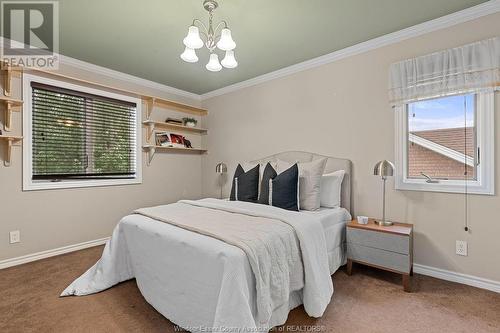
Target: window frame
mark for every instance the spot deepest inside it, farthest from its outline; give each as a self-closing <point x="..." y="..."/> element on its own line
<point x="28" y="183"/>
<point x="485" y="140"/>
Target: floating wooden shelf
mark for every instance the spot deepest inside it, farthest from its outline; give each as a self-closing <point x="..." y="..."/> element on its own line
<point x="7" y="91"/>
<point x="10" y="140"/>
<point x="151" y="150"/>
<point x="152" y="125"/>
<point x="11" y="104"/>
<point x="154" y="101"/>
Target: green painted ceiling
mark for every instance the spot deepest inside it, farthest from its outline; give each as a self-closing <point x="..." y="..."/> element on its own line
<point x="144" y="38"/>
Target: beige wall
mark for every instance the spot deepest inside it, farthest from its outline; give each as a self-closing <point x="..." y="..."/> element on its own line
<point x="341" y="109"/>
<point x="55" y="218"/>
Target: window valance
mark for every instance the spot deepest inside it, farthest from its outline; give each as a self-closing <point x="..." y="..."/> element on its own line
<point x="468" y="68"/>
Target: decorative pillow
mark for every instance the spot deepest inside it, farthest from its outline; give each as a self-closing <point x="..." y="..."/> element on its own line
<point x="268" y="174"/>
<point x="331" y="185"/>
<point x="309" y="182"/>
<point x="245" y="185"/>
<point x="250" y="165"/>
<point x="284" y="188"/>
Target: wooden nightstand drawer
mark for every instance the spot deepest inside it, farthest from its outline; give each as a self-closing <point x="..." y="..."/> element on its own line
<point x="379" y="240"/>
<point x="385" y="247"/>
<point x="380" y="258"/>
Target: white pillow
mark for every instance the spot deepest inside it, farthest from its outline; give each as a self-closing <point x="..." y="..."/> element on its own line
<point x="331" y="185"/>
<point x="309" y="181"/>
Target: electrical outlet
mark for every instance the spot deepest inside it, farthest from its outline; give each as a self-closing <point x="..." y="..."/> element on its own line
<point x="15" y="236"/>
<point x="461" y="248"/>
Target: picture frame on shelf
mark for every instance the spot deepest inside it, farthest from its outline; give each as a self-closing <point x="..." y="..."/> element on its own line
<point x="162" y="139"/>
<point x="177" y="140"/>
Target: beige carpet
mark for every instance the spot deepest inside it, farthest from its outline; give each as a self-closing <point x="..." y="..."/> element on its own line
<point x="367" y="301"/>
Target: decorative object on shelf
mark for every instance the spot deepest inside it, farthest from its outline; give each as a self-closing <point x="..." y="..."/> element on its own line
<point x="163" y="139"/>
<point x="190" y="122"/>
<point x="384" y="169"/>
<point x="187" y="143"/>
<point x="177" y="140"/>
<point x="218" y="37"/>
<point x="221" y="170"/>
<point x="173" y="121"/>
<point x="166" y="139"/>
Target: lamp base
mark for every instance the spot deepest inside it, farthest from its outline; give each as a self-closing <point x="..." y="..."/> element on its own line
<point x="383" y="223"/>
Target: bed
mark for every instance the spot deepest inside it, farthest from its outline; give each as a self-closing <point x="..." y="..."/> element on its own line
<point x="202" y="283"/>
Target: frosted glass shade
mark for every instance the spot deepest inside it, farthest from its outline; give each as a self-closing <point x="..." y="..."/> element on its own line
<point x="193" y="40"/>
<point x="226" y="42"/>
<point x="229" y="61"/>
<point x="189" y="55"/>
<point x="213" y="64"/>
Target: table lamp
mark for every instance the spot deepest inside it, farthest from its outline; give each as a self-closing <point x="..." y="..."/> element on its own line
<point x="384" y="169"/>
<point x="221" y="169"/>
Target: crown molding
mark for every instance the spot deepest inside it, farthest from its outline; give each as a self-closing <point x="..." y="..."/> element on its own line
<point x="115" y="75"/>
<point x="487" y="8"/>
<point x="79" y="64"/>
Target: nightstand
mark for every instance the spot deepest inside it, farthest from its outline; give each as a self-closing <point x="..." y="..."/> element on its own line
<point x="385" y="247"/>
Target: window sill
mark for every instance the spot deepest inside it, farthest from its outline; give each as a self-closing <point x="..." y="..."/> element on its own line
<point x="48" y="185"/>
<point x="444" y="187"/>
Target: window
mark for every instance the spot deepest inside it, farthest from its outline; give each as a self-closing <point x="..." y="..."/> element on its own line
<point x="76" y="136"/>
<point x="446" y="144"/>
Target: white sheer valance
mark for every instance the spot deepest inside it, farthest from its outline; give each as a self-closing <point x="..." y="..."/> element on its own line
<point x="467" y="68"/>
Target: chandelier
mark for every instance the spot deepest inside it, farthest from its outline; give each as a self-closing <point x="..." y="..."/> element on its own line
<point x="214" y="38"/>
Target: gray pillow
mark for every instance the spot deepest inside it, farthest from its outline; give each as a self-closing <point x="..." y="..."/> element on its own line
<point x="309" y="181"/>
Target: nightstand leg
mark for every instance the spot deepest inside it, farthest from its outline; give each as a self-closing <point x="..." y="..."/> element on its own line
<point x="349" y="266"/>
<point x="411" y="271"/>
<point x="406" y="283"/>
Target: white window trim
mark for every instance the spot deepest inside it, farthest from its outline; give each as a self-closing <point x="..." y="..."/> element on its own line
<point x="28" y="183"/>
<point x="485" y="183"/>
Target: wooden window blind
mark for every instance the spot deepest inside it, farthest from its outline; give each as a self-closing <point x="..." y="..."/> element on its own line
<point x="77" y="135"/>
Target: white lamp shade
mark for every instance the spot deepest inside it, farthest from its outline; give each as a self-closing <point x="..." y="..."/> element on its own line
<point x="189" y="55"/>
<point x="213" y="64"/>
<point x="193" y="40"/>
<point x="226" y="42"/>
<point x="229" y="61"/>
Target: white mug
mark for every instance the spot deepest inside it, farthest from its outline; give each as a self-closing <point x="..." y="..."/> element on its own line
<point x="363" y="219"/>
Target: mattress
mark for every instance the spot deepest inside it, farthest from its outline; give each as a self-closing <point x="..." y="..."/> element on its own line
<point x="333" y="221"/>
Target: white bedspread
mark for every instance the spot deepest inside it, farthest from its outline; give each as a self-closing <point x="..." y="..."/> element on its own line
<point x="176" y="268"/>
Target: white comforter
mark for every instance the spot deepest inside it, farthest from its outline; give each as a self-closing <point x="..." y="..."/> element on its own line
<point x="209" y="271"/>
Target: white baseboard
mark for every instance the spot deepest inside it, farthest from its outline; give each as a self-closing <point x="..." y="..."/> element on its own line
<point x="469" y="280"/>
<point x="50" y="253"/>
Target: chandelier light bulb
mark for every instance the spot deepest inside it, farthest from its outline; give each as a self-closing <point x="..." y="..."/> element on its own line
<point x="189" y="55"/>
<point x="226" y="42"/>
<point x="213" y="64"/>
<point x="229" y="60"/>
<point x="193" y="40"/>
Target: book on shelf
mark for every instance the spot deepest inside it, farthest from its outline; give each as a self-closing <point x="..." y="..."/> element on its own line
<point x="174" y="121"/>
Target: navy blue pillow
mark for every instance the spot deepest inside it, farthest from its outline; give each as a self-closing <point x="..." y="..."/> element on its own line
<point x="245" y="185"/>
<point x="284" y="189"/>
<point x="269" y="173"/>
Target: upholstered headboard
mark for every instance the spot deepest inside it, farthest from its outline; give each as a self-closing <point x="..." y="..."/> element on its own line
<point x="332" y="164"/>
